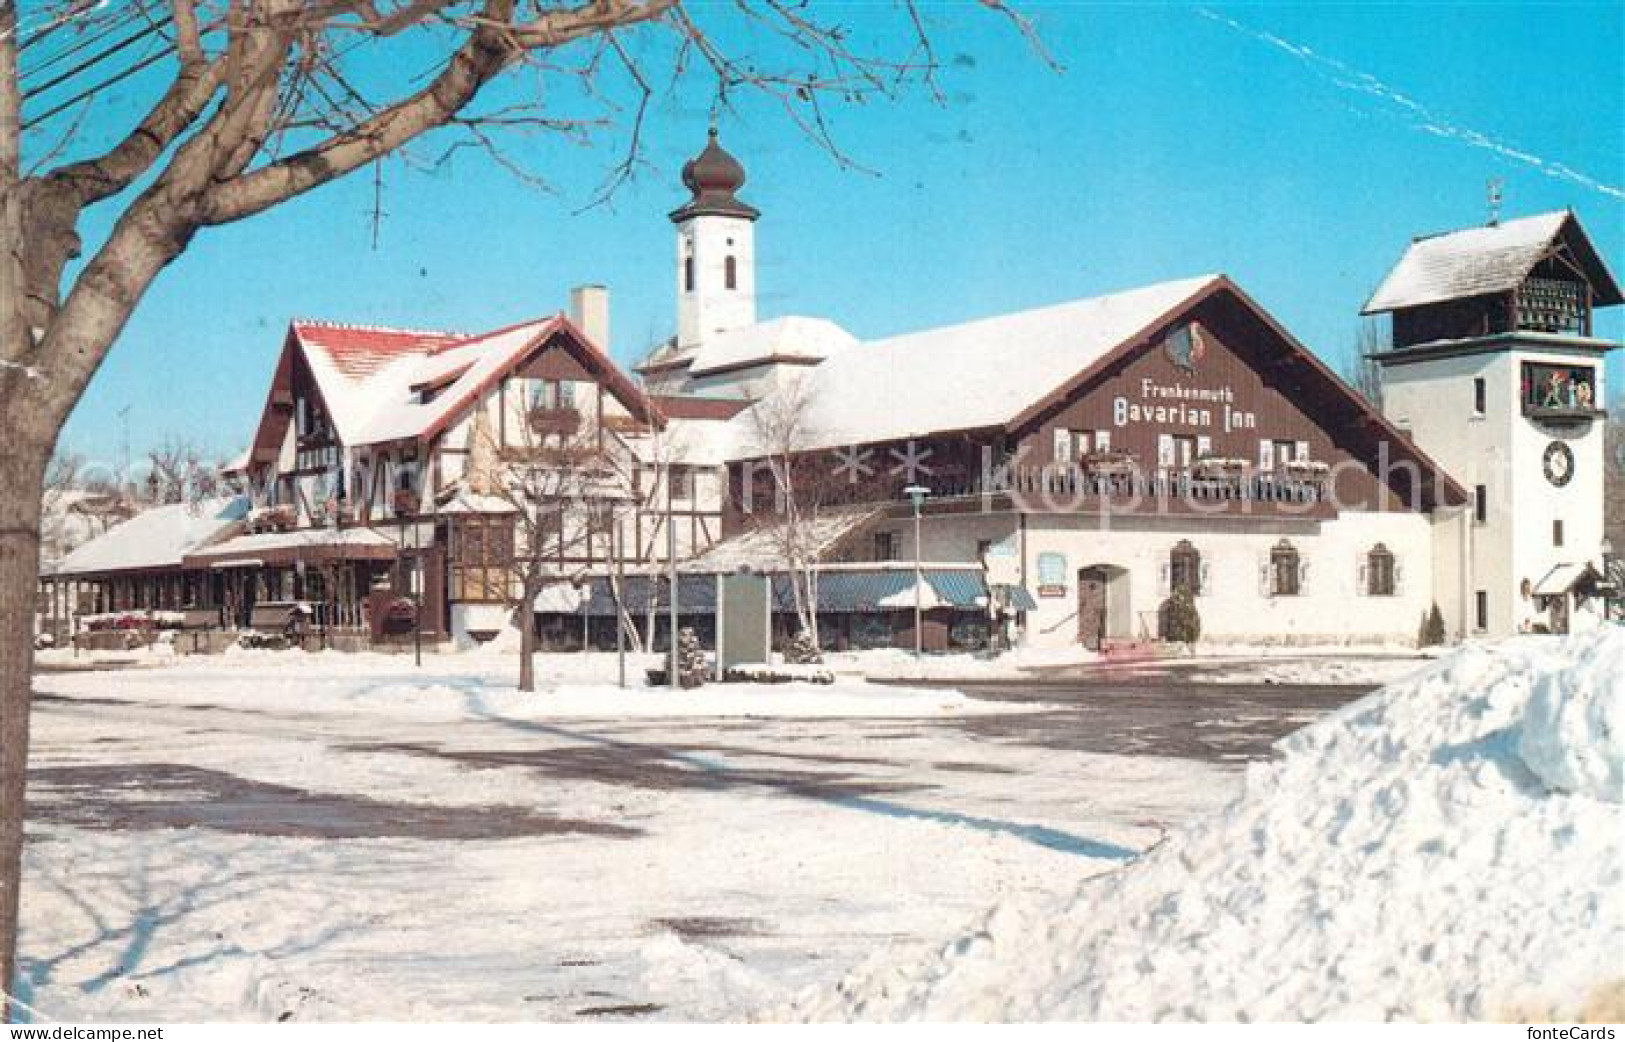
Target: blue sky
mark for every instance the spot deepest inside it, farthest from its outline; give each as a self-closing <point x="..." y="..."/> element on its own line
<point x="1295" y="147"/>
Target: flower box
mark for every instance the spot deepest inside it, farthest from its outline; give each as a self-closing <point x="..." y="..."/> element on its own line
<point x="562" y="419"/>
<point x="1107" y="463"/>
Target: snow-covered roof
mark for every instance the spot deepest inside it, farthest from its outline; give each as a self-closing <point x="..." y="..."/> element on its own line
<point x="1475" y="261"/>
<point x="356" y="367"/>
<point x="693" y="442"/>
<point x="667" y="354"/>
<point x="1563" y="578"/>
<point x="793" y="338"/>
<point x="398" y="414"/>
<point x="761" y="549"/>
<point x="254" y="547"/>
<point x="977" y="374"/>
<point x="156" y="538"/>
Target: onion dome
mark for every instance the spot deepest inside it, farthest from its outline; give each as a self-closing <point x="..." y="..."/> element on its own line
<point x="713" y="177"/>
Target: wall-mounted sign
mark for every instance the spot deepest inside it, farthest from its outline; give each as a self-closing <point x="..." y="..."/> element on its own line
<point x="1052" y="575"/>
<point x="1186" y="346"/>
<point x="1181" y="406"/>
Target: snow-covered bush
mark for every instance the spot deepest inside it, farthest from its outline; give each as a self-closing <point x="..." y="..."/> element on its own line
<point x="691" y="665"/>
<point x="1180" y="622"/>
<point x="802" y="650"/>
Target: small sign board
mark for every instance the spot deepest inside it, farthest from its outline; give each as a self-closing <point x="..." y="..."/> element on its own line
<point x="744" y="624"/>
<point x="1052" y="575"/>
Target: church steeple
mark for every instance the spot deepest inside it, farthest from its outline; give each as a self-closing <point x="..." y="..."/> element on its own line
<point x="713" y="177"/>
<point x="716" y="248"/>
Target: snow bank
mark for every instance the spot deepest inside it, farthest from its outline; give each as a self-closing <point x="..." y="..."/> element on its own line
<point x="1447" y="848"/>
<point x="1573" y="734"/>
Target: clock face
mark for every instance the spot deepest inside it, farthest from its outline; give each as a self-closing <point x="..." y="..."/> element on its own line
<point x="1558" y="463"/>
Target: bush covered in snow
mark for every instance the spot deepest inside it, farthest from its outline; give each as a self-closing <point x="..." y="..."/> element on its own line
<point x="1181" y="623"/>
<point x="1451" y="847"/>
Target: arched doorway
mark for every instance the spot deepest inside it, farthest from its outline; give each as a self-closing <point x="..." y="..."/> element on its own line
<point x="1103" y="608"/>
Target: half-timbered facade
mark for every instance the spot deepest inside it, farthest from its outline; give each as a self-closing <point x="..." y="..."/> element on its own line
<point x="1051" y="476"/>
<point x="383" y="479"/>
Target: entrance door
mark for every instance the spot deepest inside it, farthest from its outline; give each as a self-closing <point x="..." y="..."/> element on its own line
<point x="1092" y="607"/>
<point x="1560" y="613"/>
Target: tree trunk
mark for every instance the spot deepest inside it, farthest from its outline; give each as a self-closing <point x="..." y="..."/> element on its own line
<point x="22" y="474"/>
<point x="527" y="640"/>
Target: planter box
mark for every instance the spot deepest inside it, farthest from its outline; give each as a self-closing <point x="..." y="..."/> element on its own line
<point x="558" y="420"/>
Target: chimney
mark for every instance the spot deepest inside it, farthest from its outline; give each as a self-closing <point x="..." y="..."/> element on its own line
<point x="589" y="310"/>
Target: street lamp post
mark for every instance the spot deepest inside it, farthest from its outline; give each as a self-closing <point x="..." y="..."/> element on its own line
<point x="916" y="495"/>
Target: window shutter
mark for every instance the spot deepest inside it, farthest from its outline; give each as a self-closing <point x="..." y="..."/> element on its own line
<point x="1362" y="581"/>
<point x="1266" y="454"/>
<point x="1303" y="574"/>
<point x="1164" y="580"/>
<point x="1399" y="578"/>
<point x="1266" y="588"/>
<point x="1204" y="587"/>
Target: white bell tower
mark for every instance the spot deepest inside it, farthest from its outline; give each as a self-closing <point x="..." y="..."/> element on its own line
<point x="1498" y="376"/>
<point x="716" y="249"/>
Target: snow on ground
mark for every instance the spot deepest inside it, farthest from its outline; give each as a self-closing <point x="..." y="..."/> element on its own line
<point x="272" y="834"/>
<point x="899" y="664"/>
<point x="1324" y="669"/>
<point x="569" y="685"/>
<point x="1451" y="847"/>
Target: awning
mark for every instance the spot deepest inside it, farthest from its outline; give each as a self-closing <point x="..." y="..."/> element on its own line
<point x="844" y="591"/>
<point x="309" y="545"/>
<point x="1018" y="598"/>
<point x="922" y="595"/>
<point x="1564" y="579"/>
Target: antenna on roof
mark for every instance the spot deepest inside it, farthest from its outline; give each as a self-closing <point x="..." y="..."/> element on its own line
<point x="1492" y="190"/>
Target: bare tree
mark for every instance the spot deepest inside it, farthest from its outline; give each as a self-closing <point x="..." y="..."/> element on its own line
<point x="783" y="434"/>
<point x="1362" y="371"/>
<point x="258" y="102"/>
<point x="558" y="491"/>
<point x="179" y="471"/>
<point x="58" y="504"/>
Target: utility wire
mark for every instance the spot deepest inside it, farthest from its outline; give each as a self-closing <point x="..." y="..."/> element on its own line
<point x="151" y="59"/>
<point x="93" y="60"/>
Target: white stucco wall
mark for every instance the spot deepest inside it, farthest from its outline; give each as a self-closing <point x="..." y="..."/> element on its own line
<point x="1235" y="603"/>
<point x="1503" y="450"/>
<point x="711" y="307"/>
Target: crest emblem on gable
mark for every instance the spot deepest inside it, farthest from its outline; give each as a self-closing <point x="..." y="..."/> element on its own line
<point x="1185" y="346"/>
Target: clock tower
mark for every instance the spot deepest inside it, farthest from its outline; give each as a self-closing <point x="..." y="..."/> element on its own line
<point x="1494" y="371"/>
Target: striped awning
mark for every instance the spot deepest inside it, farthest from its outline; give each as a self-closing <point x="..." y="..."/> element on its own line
<point x="840" y="591"/>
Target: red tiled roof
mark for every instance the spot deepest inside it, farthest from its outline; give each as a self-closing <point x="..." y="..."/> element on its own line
<point x="359" y="351"/>
<point x="683" y="407"/>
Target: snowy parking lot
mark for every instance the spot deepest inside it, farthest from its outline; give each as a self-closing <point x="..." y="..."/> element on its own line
<point x="270" y="836"/>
